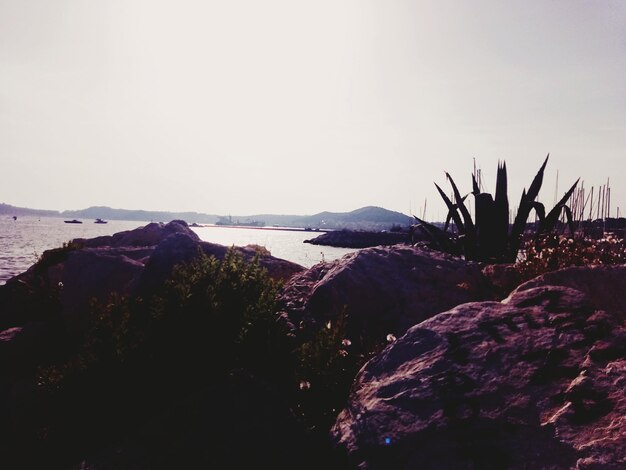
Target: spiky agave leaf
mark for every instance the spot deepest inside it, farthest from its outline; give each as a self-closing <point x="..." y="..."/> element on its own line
<point x="553" y="216"/>
<point x="452" y="211"/>
<point x="501" y="212"/>
<point x="467" y="218"/>
<point x="523" y="211"/>
<point x="535" y="186"/>
<point x="502" y="186"/>
<point x="437" y="236"/>
<point x="570" y="218"/>
<point x="448" y="220"/>
<point x="539" y="209"/>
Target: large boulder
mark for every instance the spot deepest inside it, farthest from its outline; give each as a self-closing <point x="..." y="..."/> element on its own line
<point x="536" y="381"/>
<point x="381" y="290"/>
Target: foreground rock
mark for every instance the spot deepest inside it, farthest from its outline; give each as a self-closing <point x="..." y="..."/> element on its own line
<point x="381" y="290"/>
<point x="537" y="381"/>
<point x="176" y="415"/>
<point x="132" y="262"/>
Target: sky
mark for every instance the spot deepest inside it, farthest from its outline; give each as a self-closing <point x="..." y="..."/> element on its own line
<point x="296" y="107"/>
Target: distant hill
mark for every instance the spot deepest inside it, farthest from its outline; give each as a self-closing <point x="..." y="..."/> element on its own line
<point x="365" y="218"/>
<point x="6" y="209"/>
<point x="107" y="213"/>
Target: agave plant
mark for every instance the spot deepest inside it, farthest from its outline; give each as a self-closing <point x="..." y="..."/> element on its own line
<point x="490" y="237"/>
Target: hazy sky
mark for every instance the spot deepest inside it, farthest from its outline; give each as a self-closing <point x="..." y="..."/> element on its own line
<point x="251" y="106"/>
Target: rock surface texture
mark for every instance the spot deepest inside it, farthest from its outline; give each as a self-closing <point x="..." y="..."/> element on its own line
<point x="536" y="381"/>
<point x="604" y="285"/>
<point x="382" y="290"/>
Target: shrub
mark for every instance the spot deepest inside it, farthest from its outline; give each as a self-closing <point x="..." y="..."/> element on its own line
<point x="326" y="367"/>
<point x="550" y="252"/>
<point x="208" y="307"/>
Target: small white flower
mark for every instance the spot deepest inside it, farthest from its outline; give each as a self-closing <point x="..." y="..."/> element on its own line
<point x="391" y="338"/>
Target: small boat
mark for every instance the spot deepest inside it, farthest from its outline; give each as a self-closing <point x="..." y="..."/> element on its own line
<point x="73" y="221"/>
<point x="100" y="221"/>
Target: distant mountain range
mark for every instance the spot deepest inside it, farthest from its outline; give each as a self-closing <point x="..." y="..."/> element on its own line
<point x="365" y="218"/>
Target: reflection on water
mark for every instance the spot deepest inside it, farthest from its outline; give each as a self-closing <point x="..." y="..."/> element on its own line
<point x="23" y="240"/>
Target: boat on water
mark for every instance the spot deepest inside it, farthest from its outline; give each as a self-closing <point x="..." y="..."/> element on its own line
<point x="73" y="221"/>
<point x="229" y="222"/>
<point x="100" y="221"/>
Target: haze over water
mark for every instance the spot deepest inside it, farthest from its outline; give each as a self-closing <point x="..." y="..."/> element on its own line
<point x="23" y="240"/>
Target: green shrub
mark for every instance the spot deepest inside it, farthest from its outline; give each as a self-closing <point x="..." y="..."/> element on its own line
<point x="325" y="369"/>
<point x="208" y="312"/>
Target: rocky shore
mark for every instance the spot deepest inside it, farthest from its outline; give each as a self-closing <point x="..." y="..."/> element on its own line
<point x="473" y="370"/>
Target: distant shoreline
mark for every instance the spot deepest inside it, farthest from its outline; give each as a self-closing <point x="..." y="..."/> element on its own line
<point x="284" y="229"/>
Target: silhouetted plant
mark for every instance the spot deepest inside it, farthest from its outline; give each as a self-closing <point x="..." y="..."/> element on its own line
<point x="491" y="238"/>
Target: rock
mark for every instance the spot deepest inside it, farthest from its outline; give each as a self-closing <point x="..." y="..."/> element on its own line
<point x="181" y="248"/>
<point x="605" y="285"/>
<point x="536" y="381"/>
<point x="135" y="262"/>
<point x="175" y="249"/>
<point x="149" y="235"/>
<point x="360" y="239"/>
<point x="381" y="290"/>
<point x="91" y="274"/>
<point x="502" y="277"/>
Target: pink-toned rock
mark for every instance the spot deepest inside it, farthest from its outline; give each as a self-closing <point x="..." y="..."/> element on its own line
<point x="382" y="290"/>
<point x="149" y="235"/>
<point x="536" y="381"/>
<point x="604" y="285"/>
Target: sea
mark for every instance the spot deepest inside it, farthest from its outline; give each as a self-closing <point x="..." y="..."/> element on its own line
<point x="22" y="241"/>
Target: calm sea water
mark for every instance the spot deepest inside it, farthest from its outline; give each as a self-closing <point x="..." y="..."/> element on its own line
<point x="23" y="240"/>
